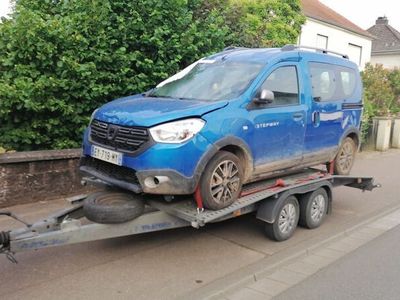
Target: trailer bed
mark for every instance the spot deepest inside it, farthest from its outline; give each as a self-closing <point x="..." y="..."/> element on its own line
<point x="69" y="225"/>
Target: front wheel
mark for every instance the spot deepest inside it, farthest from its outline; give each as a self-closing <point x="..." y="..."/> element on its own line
<point x="345" y="157"/>
<point x="221" y="182"/>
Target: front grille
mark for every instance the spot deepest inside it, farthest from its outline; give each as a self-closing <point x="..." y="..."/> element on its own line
<point x="120" y="138"/>
<point x="111" y="170"/>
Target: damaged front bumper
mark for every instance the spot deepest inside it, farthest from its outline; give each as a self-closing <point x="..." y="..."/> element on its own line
<point x="162" y="182"/>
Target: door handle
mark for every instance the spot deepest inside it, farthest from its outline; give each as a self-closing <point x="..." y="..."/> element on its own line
<point x="315" y="118"/>
<point x="298" y="116"/>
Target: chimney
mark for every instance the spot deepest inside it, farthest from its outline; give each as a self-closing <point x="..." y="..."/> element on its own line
<point x="382" y="21"/>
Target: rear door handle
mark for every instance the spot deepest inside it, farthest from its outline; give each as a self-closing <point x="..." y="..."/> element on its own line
<point x="298" y="116"/>
<point x="315" y="118"/>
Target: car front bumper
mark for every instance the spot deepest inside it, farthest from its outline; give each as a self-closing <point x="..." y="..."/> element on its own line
<point x="166" y="169"/>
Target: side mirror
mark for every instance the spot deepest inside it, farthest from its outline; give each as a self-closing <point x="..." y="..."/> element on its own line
<point x="264" y="97"/>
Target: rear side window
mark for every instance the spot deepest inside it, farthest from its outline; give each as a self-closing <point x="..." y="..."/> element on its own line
<point x="284" y="83"/>
<point x="331" y="82"/>
<point x="348" y="80"/>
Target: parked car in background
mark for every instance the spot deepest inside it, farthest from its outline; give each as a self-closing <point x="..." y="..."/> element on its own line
<point x="229" y="119"/>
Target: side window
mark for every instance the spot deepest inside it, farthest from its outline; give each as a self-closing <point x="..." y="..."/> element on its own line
<point x="348" y="81"/>
<point x="331" y="82"/>
<point x="323" y="81"/>
<point x="283" y="82"/>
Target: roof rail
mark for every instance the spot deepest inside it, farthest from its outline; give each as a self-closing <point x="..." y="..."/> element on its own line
<point x="234" y="48"/>
<point x="292" y="47"/>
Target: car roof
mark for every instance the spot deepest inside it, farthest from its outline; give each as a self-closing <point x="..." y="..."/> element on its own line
<point x="265" y="55"/>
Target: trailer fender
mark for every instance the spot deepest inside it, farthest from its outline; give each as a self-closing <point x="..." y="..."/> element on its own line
<point x="268" y="208"/>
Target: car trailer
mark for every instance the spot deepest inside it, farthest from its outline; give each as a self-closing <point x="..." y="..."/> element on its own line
<point x="304" y="197"/>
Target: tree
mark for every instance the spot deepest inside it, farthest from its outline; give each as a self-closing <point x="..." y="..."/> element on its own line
<point x="61" y="59"/>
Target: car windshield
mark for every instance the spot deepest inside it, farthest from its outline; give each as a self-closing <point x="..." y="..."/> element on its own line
<point x="209" y="80"/>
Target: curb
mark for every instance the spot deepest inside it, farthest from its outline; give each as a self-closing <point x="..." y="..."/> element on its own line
<point x="254" y="272"/>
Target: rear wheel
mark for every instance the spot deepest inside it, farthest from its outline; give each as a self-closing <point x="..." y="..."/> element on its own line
<point x="221" y="182"/>
<point x="345" y="157"/>
<point x="285" y="222"/>
<point x="313" y="208"/>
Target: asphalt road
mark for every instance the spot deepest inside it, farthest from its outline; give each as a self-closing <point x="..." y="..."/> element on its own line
<point x="176" y="263"/>
<point x="370" y="272"/>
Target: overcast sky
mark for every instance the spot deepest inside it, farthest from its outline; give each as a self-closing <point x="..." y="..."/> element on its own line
<point x="361" y="12"/>
<point x="365" y="12"/>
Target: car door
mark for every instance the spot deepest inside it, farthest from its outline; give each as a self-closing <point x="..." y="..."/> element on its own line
<point x="324" y="126"/>
<point x="279" y="127"/>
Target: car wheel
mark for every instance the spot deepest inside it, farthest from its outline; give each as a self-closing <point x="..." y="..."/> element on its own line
<point x="221" y="182"/>
<point x="285" y="221"/>
<point x="345" y="157"/>
<point x="313" y="208"/>
<point x="112" y="207"/>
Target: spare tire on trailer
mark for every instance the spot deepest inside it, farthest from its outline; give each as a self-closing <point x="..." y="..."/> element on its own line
<point x="112" y="207"/>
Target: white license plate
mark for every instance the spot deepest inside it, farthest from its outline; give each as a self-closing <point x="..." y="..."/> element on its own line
<point x="107" y="155"/>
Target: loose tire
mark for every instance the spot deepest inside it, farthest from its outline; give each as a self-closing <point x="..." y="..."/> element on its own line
<point x="313" y="208"/>
<point x="285" y="222"/>
<point x="221" y="182"/>
<point x="112" y="207"/>
<point x="345" y="157"/>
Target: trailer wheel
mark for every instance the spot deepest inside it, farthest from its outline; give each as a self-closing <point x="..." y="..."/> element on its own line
<point x="285" y="221"/>
<point x="221" y="182"/>
<point x="313" y="208"/>
<point x="112" y="207"/>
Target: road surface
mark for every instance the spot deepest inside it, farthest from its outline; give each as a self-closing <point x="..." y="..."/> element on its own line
<point x="177" y="263"/>
<point x="370" y="272"/>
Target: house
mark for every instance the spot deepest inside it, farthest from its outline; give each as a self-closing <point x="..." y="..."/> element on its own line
<point x="386" y="44"/>
<point x="325" y="28"/>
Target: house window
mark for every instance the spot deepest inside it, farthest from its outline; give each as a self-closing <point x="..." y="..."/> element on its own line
<point x="322" y="41"/>
<point x="355" y="53"/>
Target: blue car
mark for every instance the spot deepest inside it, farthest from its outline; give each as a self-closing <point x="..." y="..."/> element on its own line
<point x="232" y="118"/>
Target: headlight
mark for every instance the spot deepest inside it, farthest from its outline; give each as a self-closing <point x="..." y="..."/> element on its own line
<point x="92" y="116"/>
<point x="176" y="132"/>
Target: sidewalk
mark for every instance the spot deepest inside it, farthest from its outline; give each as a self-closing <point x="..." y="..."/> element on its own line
<point x="298" y="269"/>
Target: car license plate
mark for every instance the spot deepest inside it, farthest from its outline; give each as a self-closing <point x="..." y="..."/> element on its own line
<point x="107" y="155"/>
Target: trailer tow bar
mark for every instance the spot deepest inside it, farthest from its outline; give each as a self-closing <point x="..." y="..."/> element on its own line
<point x="5" y="246"/>
<point x="5" y="236"/>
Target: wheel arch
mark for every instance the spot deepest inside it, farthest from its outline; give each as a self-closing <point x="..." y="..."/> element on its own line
<point x="354" y="134"/>
<point x="233" y="145"/>
<point x="268" y="208"/>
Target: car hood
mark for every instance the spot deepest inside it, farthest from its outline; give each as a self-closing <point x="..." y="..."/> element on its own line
<point x="139" y="110"/>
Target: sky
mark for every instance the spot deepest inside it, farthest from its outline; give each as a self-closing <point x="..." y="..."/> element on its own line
<point x="364" y="12"/>
<point x="361" y="12"/>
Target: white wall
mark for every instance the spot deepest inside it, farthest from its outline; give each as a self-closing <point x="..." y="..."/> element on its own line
<point x="338" y="40"/>
<point x="388" y="61"/>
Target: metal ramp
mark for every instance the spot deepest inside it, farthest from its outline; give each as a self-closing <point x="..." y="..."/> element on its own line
<point x="187" y="210"/>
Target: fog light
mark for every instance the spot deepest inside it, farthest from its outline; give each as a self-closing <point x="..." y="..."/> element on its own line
<point x="153" y="181"/>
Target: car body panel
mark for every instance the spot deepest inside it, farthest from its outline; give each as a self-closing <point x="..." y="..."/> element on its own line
<point x="273" y="139"/>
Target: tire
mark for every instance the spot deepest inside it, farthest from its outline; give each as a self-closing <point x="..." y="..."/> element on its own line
<point x="345" y="157"/>
<point x="218" y="188"/>
<point x="313" y="208"/>
<point x="278" y="231"/>
<point x="112" y="207"/>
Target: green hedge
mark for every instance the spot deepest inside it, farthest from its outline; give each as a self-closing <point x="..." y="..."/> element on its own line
<point x="60" y="59"/>
<point x="381" y="94"/>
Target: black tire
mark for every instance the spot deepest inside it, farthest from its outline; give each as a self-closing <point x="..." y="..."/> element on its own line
<point x="274" y="231"/>
<point x="344" y="159"/>
<point x="230" y="186"/>
<point x="312" y="210"/>
<point x="112" y="207"/>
